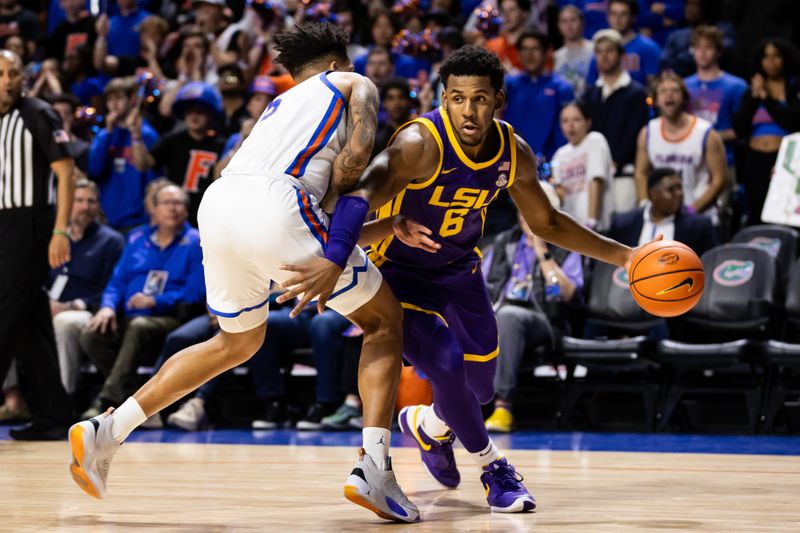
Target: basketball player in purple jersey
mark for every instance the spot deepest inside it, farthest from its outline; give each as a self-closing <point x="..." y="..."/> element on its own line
<point x="443" y="170"/>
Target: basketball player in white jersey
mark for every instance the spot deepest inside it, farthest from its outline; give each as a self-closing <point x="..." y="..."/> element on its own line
<point x="685" y="143"/>
<point x="262" y="214"/>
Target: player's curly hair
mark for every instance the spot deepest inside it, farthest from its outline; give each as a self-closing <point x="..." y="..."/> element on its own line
<point x="307" y="44"/>
<point x="473" y="60"/>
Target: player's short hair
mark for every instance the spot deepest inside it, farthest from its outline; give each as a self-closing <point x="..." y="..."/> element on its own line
<point x="473" y="60"/>
<point x="658" y="174"/>
<point x="712" y="34"/>
<point x="303" y="45"/>
<point x="668" y="75"/>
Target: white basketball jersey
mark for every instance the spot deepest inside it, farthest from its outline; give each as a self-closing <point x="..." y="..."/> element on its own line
<point x="686" y="155"/>
<point x="300" y="134"/>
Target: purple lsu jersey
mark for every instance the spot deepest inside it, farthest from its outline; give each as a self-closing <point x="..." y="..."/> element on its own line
<point x="453" y="201"/>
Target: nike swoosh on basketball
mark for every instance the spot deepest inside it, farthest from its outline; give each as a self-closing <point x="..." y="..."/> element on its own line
<point x="448" y="171"/>
<point x="687" y="281"/>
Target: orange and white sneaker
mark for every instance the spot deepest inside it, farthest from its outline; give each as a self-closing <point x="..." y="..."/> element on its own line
<point x="376" y="489"/>
<point x="92" y="447"/>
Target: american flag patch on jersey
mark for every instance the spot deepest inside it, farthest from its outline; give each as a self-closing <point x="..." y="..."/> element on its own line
<point x="504" y="167"/>
<point x="60" y="136"/>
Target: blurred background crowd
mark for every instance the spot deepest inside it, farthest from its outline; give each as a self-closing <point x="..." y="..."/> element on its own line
<point x="647" y="117"/>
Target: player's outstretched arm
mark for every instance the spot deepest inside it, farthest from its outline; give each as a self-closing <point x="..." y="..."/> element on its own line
<point x="553" y="225"/>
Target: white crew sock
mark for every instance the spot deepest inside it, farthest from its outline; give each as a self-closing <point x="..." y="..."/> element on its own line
<point x="126" y="418"/>
<point x="376" y="444"/>
<point x="487" y="455"/>
<point x="432" y="425"/>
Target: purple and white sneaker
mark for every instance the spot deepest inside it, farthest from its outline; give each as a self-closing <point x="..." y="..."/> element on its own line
<point x="437" y="453"/>
<point x="504" y="489"/>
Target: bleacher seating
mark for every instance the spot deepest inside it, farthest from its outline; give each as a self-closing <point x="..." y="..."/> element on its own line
<point x="616" y="370"/>
<point x="718" y="359"/>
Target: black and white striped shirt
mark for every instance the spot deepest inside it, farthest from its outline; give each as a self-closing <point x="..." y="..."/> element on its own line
<point x="31" y="137"/>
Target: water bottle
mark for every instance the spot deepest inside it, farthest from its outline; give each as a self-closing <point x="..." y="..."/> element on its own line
<point x="552" y="290"/>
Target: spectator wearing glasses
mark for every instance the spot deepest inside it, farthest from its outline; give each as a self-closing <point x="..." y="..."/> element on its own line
<point x="160" y="267"/>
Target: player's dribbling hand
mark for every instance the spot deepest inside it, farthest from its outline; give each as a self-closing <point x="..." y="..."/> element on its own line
<point x="413" y="234"/>
<point x="634" y="251"/>
<point x="315" y="278"/>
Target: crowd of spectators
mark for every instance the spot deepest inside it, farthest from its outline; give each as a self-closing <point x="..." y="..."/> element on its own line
<point x="647" y="117"/>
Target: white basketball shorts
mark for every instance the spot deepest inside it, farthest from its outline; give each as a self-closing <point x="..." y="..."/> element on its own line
<point x="249" y="226"/>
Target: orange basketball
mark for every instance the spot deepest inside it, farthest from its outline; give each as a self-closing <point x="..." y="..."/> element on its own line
<point x="413" y="389"/>
<point x="666" y="278"/>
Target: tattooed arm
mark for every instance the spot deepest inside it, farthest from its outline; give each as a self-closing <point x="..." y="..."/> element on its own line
<point x="362" y="121"/>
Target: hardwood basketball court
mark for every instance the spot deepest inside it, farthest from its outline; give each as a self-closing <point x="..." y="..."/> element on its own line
<point x="184" y="486"/>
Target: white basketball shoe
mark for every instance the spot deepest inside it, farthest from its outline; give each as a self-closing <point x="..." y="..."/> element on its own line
<point x="376" y="489"/>
<point x="92" y="447"/>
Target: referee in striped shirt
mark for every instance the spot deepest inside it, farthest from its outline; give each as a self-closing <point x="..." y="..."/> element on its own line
<point x="34" y="154"/>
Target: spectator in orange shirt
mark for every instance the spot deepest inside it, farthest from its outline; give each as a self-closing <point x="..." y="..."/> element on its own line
<point x="515" y="13"/>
